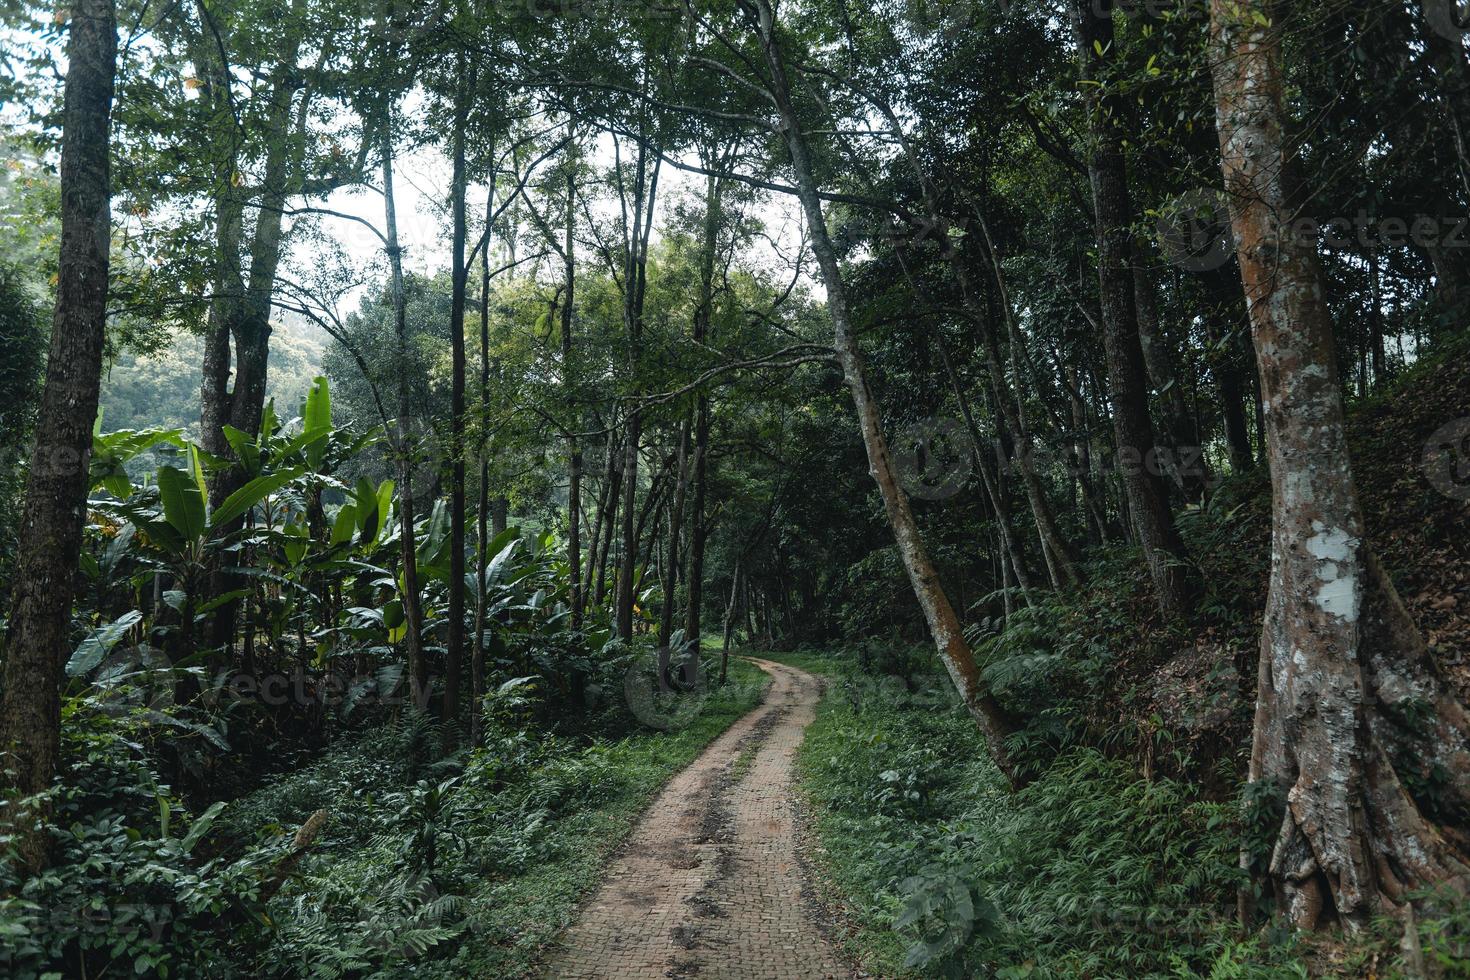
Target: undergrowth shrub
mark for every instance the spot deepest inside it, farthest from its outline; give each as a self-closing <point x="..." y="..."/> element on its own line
<point x="1088" y="871"/>
<point x="131" y="887"/>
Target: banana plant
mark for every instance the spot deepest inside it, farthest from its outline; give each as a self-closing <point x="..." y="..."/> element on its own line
<point x="113" y="451"/>
<point x="175" y="522"/>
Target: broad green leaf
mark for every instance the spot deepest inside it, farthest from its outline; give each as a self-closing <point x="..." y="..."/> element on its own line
<point x="90" y="652"/>
<point x="196" y="470"/>
<point x="183" y="507"/>
<point x="245" y="450"/>
<point x="251" y="494"/>
<point x="200" y="826"/>
<point x="298" y="537"/>
<point x="222" y="599"/>
<point x="345" y="526"/>
<point x="318" y="421"/>
<point x="385" y="503"/>
<point x="365" y="500"/>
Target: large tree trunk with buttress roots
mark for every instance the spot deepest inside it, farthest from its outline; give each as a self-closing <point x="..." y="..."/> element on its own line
<point x="1350" y="709"/>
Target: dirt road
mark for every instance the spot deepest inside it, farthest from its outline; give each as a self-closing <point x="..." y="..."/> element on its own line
<point x="709" y="884"/>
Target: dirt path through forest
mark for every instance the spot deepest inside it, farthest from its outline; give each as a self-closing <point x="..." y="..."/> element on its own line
<point x="709" y="884"/>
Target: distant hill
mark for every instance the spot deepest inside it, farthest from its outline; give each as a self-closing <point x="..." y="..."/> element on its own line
<point x="162" y="390"/>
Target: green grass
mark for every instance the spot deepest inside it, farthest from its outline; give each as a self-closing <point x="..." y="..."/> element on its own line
<point x="513" y="920"/>
<point x="1090" y="871"/>
<point x="465" y="865"/>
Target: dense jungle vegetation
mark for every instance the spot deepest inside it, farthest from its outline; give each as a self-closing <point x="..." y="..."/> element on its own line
<point x="412" y="416"/>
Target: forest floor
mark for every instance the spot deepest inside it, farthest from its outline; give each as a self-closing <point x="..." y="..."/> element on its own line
<point x="711" y="883"/>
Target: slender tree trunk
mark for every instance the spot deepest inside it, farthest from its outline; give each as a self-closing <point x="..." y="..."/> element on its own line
<point x="574" y="450"/>
<point x="482" y="514"/>
<point x="1185" y="461"/>
<point x="1443" y="27"/>
<point x="628" y="563"/>
<point x="729" y="624"/>
<point x="454" y="654"/>
<point x="698" y="530"/>
<point x="1221" y="323"/>
<point x="50" y="537"/>
<point x="614" y="499"/>
<point x="676" y="521"/>
<point x="1375" y="321"/>
<point x="635" y="282"/>
<point x="600" y="520"/>
<point x="239" y="311"/>
<point x="418" y="667"/>
<point x="944" y="624"/>
<point x="1340" y="660"/>
<point x="703" y="317"/>
<point x="1138" y="450"/>
<point x="1011" y="413"/>
<point x="990" y="477"/>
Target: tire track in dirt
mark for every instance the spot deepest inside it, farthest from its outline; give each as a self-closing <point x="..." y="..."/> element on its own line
<point x="710" y="883"/>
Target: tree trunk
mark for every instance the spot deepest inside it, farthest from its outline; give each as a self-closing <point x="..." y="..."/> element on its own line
<point x="729" y="625"/>
<point x="50" y="534"/>
<point x="1056" y="551"/>
<point x="574" y="450"/>
<point x="676" y="521"/>
<point x="944" y="624"/>
<point x="645" y="195"/>
<point x="1185" y="461"/>
<point x="703" y="316"/>
<point x="991" y="479"/>
<point x="1443" y="32"/>
<point x="1340" y="661"/>
<point x="1220" y="327"/>
<point x="242" y="311"/>
<point x="418" y="667"/>
<point x="477" y="655"/>
<point x="1148" y="499"/>
<point x="628" y="563"/>
<point x="454" y="652"/>
<point x="614" y="498"/>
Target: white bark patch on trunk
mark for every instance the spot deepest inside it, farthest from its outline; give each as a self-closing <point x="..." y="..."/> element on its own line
<point x="1336" y="552"/>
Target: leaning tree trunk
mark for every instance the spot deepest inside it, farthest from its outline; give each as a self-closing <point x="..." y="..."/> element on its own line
<point x="1057" y="552"/>
<point x="1341" y="663"/>
<point x="1443" y="31"/>
<point x="1163" y="551"/>
<point x="56" y="489"/>
<point x="943" y="623"/>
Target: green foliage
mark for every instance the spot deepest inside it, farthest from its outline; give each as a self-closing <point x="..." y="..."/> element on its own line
<point x="1087" y="871"/>
<point x="132" y="886"/>
<point x="23" y="337"/>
